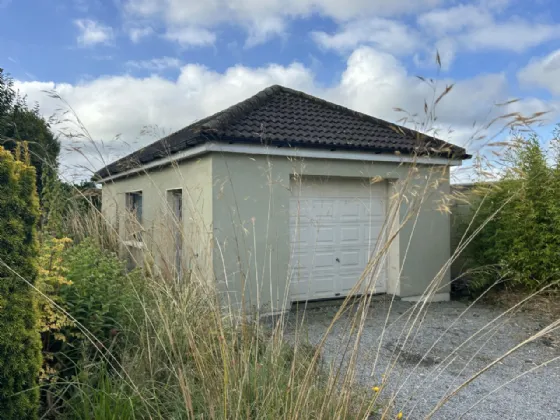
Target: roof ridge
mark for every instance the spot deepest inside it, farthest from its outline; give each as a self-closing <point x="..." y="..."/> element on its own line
<point x="217" y="119"/>
<point x="357" y="114"/>
<point x="236" y="124"/>
<point x="222" y="119"/>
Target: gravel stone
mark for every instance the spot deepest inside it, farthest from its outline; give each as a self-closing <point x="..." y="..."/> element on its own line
<point x="424" y="376"/>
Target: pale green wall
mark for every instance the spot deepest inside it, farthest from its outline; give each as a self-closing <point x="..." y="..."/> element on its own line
<point x="250" y="212"/>
<point x="195" y="179"/>
<point x="236" y="204"/>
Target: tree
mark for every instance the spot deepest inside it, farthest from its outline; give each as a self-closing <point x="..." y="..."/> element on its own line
<point x="20" y="345"/>
<point x="7" y="97"/>
<point x="19" y="122"/>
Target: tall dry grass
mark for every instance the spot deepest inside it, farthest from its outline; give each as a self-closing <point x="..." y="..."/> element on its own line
<point x="190" y="355"/>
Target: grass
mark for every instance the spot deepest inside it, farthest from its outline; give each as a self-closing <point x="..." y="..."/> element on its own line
<point x="190" y="356"/>
<point x="545" y="304"/>
<point x="185" y="359"/>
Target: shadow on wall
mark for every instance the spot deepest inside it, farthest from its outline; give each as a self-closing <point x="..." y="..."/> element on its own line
<point x="461" y="214"/>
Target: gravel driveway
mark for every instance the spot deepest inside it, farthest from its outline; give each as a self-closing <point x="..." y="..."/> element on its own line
<point x="533" y="396"/>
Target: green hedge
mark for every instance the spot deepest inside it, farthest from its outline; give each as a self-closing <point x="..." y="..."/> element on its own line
<point x="20" y="347"/>
<point x="522" y="241"/>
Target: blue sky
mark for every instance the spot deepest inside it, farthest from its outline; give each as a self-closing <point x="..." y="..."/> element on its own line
<point x="124" y="64"/>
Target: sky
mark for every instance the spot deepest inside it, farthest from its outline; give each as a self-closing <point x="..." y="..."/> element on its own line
<point x="133" y="70"/>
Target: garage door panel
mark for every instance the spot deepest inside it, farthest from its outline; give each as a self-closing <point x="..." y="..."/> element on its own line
<point x="371" y="234"/>
<point x="323" y="210"/>
<point x="299" y="275"/>
<point x="322" y="284"/>
<point x="375" y="284"/>
<point x="322" y="260"/>
<point x="350" y="210"/>
<point x="299" y="261"/>
<point x="312" y="261"/>
<point x="325" y="235"/>
<point x="301" y="209"/>
<point x="335" y="219"/>
<point x="300" y="235"/>
<point x="348" y="279"/>
<point x="350" y="235"/>
<point x="351" y="258"/>
<point x="319" y="284"/>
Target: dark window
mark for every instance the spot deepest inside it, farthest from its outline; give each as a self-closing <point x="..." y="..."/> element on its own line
<point x="175" y="199"/>
<point x="134" y="209"/>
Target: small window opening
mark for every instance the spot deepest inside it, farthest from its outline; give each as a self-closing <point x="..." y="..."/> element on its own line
<point x="134" y="209"/>
<point x="175" y="199"/>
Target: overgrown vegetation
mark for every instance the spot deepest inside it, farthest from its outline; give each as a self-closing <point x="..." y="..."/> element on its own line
<point x="20" y="356"/>
<point x="128" y="345"/>
<point x="153" y="351"/>
<point x="92" y="285"/>
<point x="521" y="213"/>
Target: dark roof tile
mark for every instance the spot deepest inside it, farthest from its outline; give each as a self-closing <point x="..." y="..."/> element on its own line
<point x="285" y="117"/>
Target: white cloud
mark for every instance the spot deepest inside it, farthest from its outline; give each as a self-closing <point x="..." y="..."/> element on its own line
<point x="263" y="30"/>
<point x="376" y="83"/>
<point x="193" y="12"/>
<point x="138" y="33"/>
<point x="388" y="35"/>
<point x="191" y="36"/>
<point x="262" y="19"/>
<point x="122" y="105"/>
<point x="481" y="26"/>
<point x="156" y="64"/>
<point x="515" y="35"/>
<point x="474" y="27"/>
<point x="455" y="19"/>
<point x="543" y="72"/>
<point x="466" y="27"/>
<point x="93" y="33"/>
<point x="373" y="82"/>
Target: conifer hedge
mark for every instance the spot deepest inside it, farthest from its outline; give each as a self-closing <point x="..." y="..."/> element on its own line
<point x="521" y="238"/>
<point x="20" y="347"/>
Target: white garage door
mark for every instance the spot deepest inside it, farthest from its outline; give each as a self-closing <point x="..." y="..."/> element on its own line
<point x="334" y="227"/>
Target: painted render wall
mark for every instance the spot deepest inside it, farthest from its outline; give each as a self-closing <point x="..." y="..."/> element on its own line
<point x="195" y="179"/>
<point x="251" y="224"/>
<point x="236" y="221"/>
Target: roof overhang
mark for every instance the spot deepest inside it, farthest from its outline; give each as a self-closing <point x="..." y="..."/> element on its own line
<point x="303" y="153"/>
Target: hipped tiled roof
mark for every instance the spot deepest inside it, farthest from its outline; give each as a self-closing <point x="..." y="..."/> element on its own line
<point x="283" y="117"/>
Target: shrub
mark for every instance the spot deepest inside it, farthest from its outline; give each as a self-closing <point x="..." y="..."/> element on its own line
<point x="100" y="295"/>
<point x="93" y="287"/>
<point x="523" y="240"/>
<point x="52" y="321"/>
<point x="20" y="356"/>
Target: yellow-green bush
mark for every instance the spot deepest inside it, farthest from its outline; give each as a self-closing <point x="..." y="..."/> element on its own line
<point x="20" y="348"/>
<point x="54" y="325"/>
